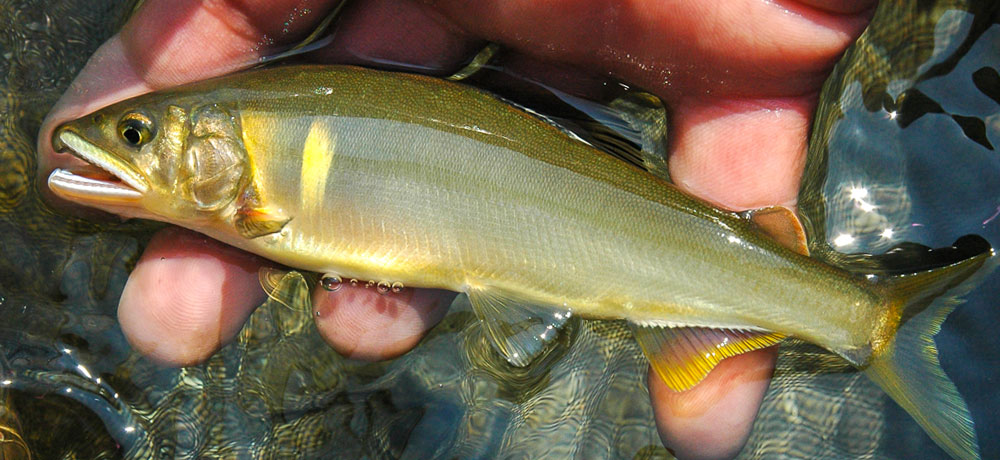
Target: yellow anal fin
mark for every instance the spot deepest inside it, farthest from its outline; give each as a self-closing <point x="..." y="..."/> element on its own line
<point x="683" y="356"/>
<point x="782" y="225"/>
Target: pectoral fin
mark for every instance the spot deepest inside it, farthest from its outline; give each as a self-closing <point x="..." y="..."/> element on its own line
<point x="683" y="356"/>
<point x="518" y="330"/>
<point x="254" y="223"/>
<point x="254" y="219"/>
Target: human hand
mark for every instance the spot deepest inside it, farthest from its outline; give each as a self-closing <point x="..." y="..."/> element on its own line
<point x="741" y="79"/>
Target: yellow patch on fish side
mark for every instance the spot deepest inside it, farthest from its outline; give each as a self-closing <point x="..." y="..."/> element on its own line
<point x="317" y="157"/>
<point x="258" y="133"/>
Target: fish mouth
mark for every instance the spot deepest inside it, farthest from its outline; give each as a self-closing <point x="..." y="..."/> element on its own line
<point x="105" y="179"/>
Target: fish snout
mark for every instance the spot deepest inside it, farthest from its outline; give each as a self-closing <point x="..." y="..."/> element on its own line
<point x="58" y="145"/>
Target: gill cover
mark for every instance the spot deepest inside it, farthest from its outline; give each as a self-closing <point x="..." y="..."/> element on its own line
<point x="215" y="162"/>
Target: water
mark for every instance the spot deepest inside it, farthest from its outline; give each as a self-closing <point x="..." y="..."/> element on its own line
<point x="904" y="149"/>
<point x="899" y="121"/>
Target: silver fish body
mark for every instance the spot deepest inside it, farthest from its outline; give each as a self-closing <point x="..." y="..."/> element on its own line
<point x="401" y="178"/>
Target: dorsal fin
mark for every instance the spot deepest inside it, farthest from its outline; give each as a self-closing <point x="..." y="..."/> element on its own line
<point x="647" y="122"/>
<point x="782" y="225"/>
<point x="683" y="356"/>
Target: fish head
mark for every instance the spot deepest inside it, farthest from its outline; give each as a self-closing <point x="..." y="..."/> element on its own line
<point x="175" y="159"/>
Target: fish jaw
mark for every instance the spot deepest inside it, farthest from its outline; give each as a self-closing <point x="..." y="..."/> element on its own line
<point x="107" y="182"/>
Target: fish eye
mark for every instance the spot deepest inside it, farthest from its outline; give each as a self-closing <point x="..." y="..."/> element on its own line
<point x="136" y="129"/>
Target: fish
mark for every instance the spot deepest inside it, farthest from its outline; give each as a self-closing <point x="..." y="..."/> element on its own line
<point x="405" y="179"/>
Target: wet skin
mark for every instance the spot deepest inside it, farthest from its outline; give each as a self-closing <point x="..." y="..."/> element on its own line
<point x="741" y="79"/>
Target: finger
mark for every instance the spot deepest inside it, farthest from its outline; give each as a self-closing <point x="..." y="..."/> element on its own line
<point x="175" y="42"/>
<point x="187" y="296"/>
<point x="398" y="34"/>
<point x="713" y="419"/>
<point x="680" y="47"/>
<point x="362" y="323"/>
<point x="741" y="154"/>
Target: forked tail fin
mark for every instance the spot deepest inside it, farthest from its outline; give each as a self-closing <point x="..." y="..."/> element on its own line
<point x="908" y="368"/>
